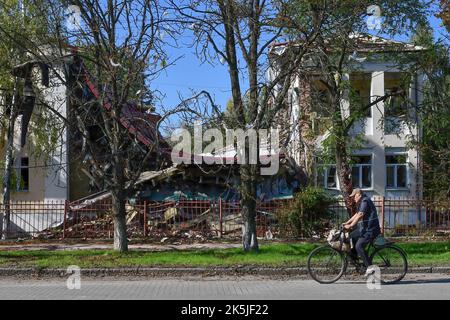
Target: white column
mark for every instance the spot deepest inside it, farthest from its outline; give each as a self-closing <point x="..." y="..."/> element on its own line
<point x="416" y="176"/>
<point x="379" y="160"/>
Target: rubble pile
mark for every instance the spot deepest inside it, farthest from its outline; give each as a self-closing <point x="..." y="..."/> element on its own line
<point x="172" y="225"/>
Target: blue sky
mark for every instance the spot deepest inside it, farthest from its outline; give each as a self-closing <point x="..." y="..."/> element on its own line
<point x="188" y="74"/>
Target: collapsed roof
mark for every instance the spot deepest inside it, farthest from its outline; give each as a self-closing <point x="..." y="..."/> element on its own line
<point x="143" y="125"/>
<point x="147" y="176"/>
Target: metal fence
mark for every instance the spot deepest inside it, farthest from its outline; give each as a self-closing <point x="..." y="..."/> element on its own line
<point x="202" y="219"/>
<point x="407" y="217"/>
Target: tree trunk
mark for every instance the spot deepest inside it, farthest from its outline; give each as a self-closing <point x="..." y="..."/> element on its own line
<point x="5" y="217"/>
<point x="344" y="176"/>
<point x="120" y="224"/>
<point x="307" y="138"/>
<point x="248" y="208"/>
<point x="118" y="193"/>
<point x="344" y="171"/>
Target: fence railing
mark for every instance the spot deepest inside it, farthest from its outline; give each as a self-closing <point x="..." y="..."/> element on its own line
<point x="399" y="216"/>
<point x="201" y="219"/>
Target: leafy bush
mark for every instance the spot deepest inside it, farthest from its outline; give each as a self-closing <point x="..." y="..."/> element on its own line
<point x="308" y="214"/>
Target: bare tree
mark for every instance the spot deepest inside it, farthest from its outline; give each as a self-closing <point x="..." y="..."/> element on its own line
<point x="106" y="53"/>
<point x="120" y="43"/>
<point x="240" y="34"/>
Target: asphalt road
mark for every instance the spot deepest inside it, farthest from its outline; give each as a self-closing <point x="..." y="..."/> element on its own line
<point x="418" y="286"/>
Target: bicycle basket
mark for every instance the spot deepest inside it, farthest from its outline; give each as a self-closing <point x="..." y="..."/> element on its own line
<point x="334" y="235"/>
<point x="339" y="240"/>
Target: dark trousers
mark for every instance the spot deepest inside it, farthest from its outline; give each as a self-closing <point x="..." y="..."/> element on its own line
<point x="360" y="249"/>
<point x="360" y="244"/>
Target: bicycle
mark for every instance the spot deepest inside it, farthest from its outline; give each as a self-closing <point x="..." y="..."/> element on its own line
<point x="327" y="265"/>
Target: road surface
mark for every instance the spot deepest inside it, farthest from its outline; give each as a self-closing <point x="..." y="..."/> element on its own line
<point x="431" y="286"/>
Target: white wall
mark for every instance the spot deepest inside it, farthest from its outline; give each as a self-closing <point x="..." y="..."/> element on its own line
<point x="56" y="178"/>
<point x="378" y="144"/>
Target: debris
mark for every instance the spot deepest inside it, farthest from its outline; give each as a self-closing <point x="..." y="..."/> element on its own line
<point x="171" y="213"/>
<point x="175" y="233"/>
<point x="164" y="239"/>
<point x="132" y="214"/>
<point x="188" y="235"/>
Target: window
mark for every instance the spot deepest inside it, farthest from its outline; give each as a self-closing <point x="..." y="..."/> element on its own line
<point x="326" y="177"/>
<point x="396" y="171"/>
<point x="396" y="106"/>
<point x="320" y="100"/>
<point x="360" y="94"/>
<point x="23" y="181"/>
<point x="362" y="172"/>
<point x="320" y="107"/>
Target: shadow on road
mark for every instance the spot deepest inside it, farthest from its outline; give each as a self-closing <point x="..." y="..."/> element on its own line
<point x="422" y="281"/>
<point x="403" y="282"/>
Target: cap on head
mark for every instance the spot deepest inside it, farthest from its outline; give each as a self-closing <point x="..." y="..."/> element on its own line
<point x="355" y="192"/>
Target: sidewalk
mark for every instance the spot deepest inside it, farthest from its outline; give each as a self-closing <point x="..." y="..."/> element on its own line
<point x="241" y="289"/>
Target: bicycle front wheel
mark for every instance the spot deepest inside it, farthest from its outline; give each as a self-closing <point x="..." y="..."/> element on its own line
<point x="392" y="263"/>
<point x="326" y="265"/>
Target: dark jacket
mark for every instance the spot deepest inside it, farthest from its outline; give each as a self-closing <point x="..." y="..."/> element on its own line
<point x="369" y="227"/>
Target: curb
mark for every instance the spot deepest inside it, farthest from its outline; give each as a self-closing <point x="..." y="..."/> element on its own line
<point x="167" y="272"/>
<point x="154" y="272"/>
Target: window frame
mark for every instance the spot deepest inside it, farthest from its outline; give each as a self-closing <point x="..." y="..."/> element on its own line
<point x="396" y="166"/>
<point x="326" y="170"/>
<point x="19" y="175"/>
<point x="395" y="115"/>
<point x="360" y="167"/>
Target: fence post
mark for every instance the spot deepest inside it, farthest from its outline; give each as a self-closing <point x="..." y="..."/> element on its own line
<point x="220" y="218"/>
<point x="66" y="207"/>
<point x="382" y="214"/>
<point x="145" y="219"/>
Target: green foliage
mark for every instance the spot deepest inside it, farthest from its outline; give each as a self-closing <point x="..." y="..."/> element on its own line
<point x="327" y="153"/>
<point x="434" y="112"/>
<point x="17" y="27"/>
<point x="45" y="129"/>
<point x="13" y="180"/>
<point x="308" y="214"/>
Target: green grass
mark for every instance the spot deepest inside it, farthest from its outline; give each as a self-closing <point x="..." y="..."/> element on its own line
<point x="276" y="255"/>
<point x="427" y="254"/>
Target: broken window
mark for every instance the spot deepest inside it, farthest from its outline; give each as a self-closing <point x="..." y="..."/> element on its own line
<point x="360" y="94"/>
<point x="396" y="106"/>
<point x="320" y="100"/>
<point x="321" y="110"/>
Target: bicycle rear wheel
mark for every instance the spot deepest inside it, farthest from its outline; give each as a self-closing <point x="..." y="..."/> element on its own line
<point x="326" y="265"/>
<point x="392" y="263"/>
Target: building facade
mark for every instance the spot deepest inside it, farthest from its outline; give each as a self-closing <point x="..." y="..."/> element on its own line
<point x="384" y="165"/>
<point x="40" y="173"/>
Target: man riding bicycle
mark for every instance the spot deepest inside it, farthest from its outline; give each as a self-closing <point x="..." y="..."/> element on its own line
<point x="368" y="226"/>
